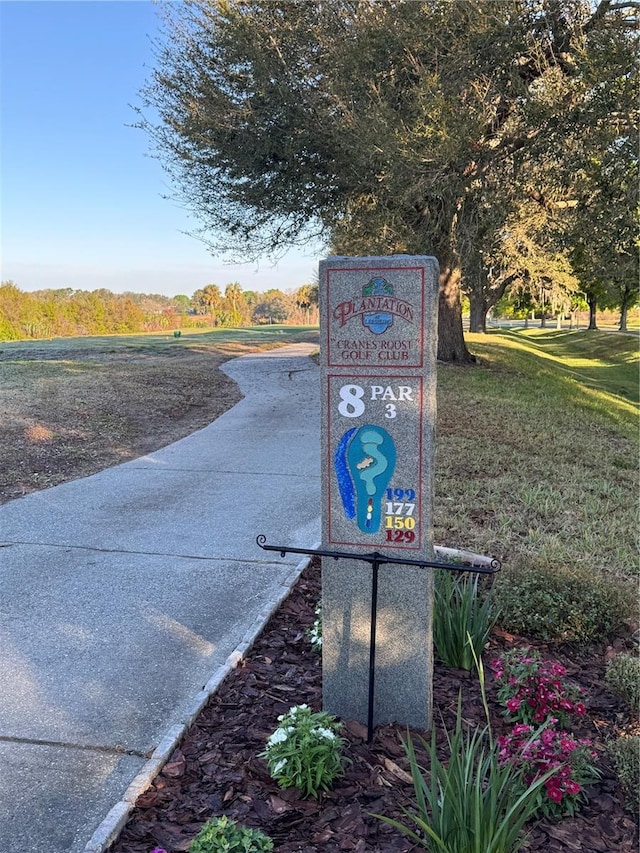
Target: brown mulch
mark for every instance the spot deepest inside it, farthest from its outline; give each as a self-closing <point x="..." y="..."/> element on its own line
<point x="216" y="770"/>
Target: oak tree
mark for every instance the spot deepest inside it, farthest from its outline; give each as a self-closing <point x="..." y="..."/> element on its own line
<point x="369" y="123"/>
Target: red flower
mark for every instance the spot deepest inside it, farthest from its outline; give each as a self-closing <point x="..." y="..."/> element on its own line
<point x="555" y="794"/>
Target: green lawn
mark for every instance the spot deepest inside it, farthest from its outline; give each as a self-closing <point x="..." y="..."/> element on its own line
<point x="538" y="450"/>
<point x="599" y="361"/>
<point x="537" y="444"/>
<point x="261" y="336"/>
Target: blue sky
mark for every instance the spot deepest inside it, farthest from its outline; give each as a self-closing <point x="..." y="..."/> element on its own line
<point x="81" y="203"/>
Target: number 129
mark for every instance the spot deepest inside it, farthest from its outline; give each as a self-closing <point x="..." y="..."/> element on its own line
<point x="400" y="536"/>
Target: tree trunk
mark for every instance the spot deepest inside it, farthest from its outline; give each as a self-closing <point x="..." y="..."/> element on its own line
<point x="477" y="315"/>
<point x="622" y="326"/>
<point x="482" y="300"/>
<point x="627" y="299"/>
<point x="451" y="345"/>
<point x="591" y="300"/>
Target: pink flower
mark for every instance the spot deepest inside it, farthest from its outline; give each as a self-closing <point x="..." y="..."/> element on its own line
<point x="580" y="709"/>
<point x="572" y="787"/>
<point x="513" y="704"/>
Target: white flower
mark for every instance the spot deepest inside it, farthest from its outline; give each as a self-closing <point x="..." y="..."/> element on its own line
<point x="315" y="636"/>
<point x="279" y="736"/>
<point x="277" y="767"/>
<point x="326" y="733"/>
<point x="297" y="708"/>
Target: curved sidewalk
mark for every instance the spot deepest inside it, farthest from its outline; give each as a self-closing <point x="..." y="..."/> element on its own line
<point x="124" y="594"/>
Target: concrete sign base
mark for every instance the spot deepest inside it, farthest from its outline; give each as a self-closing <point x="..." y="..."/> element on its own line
<point x="378" y="350"/>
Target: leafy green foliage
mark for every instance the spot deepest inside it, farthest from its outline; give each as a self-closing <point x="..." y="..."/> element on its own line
<point x="305" y="751"/>
<point x="625" y="755"/>
<point x="472" y="802"/>
<point x="222" y="835"/>
<point x="555" y="603"/>
<point x="284" y="120"/>
<point x="623" y="678"/>
<point x="462" y="618"/>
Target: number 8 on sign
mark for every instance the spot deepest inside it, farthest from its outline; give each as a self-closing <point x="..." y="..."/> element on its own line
<point x="351" y="405"/>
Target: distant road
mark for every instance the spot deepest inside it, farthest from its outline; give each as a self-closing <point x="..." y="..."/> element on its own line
<point x="550" y="327"/>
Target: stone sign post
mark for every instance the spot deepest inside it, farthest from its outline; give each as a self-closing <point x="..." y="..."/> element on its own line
<point x="378" y="332"/>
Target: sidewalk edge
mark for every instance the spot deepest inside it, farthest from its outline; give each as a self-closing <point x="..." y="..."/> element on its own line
<point x="112" y="825"/>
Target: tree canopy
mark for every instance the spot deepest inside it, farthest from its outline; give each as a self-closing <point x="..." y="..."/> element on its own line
<point x="416" y="127"/>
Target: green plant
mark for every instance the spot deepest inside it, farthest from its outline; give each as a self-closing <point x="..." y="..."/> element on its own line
<point x="305" y="751"/>
<point x="534" y="690"/>
<point x="460" y="611"/>
<point x="473" y="803"/>
<point x="623" y="678"/>
<point x="625" y="756"/>
<point x="571" y="761"/>
<point x="222" y="835"/>
<point x="553" y="603"/>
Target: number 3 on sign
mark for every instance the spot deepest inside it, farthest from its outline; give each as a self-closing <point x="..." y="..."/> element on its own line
<point x="351" y="405"/>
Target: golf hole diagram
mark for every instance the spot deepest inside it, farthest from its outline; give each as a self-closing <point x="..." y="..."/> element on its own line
<point x="375" y="476"/>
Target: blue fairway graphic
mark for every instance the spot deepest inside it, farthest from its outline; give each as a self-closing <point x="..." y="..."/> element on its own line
<point x="365" y="460"/>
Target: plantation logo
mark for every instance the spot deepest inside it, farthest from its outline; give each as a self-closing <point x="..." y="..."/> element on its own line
<point x="377" y="307"/>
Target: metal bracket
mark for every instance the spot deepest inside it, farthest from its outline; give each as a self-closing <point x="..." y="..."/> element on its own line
<point x="376" y="559"/>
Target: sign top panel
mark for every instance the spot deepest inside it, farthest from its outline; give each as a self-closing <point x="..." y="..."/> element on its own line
<point x="375" y="311"/>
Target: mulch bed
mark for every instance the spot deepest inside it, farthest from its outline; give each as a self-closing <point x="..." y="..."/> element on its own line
<point x="216" y="770"/>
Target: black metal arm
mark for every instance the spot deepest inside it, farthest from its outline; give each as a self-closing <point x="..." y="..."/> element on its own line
<point x="376" y="559"/>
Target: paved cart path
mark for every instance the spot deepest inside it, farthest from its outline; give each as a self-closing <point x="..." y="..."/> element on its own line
<point x="123" y="594"/>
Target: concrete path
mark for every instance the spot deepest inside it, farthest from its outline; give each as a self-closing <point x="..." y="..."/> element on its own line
<point x="124" y="594"/>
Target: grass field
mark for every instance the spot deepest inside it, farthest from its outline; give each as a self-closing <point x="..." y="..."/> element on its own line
<point x="537" y="444"/>
<point x="73" y="406"/>
<point x="538" y="450"/>
<point x="235" y="339"/>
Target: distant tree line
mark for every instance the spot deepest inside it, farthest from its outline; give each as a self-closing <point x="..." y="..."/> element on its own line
<point x="68" y="313"/>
